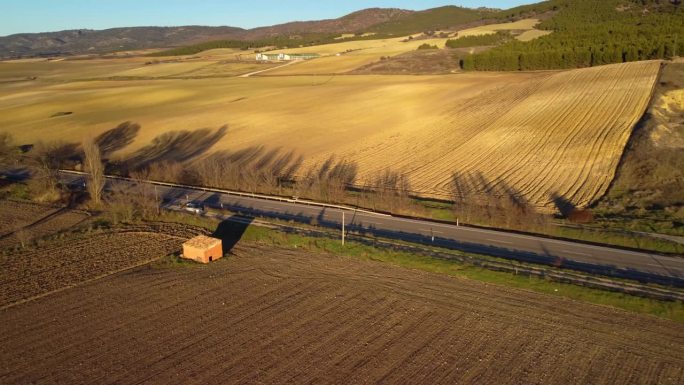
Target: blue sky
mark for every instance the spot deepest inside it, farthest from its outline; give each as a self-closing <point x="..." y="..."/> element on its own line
<point x="18" y="16"/>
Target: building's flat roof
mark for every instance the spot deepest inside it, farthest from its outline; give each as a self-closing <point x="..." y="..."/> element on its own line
<point x="202" y="242"/>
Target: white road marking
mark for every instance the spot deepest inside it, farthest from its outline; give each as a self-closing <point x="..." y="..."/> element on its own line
<point x="431" y="231"/>
<point x="498" y="241"/>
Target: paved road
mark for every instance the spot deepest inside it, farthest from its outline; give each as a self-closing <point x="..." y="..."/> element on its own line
<point x="589" y="258"/>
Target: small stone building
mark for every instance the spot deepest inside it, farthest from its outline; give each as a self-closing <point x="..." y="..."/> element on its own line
<point x="203" y="249"/>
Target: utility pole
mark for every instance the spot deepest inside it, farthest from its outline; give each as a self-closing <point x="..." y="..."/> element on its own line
<point x="342" y="228"/>
<point x="156" y="199"/>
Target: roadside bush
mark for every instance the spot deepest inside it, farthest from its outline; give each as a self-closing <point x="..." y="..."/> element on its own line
<point x="427" y="46"/>
<point x="581" y="216"/>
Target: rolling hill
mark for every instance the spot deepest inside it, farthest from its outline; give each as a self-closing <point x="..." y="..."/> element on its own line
<point x="380" y="21"/>
<point x="82" y="41"/>
<point x="73" y="42"/>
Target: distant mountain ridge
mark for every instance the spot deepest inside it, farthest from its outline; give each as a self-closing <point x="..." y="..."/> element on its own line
<point x="384" y="21"/>
<point x="72" y="42"/>
<point x="354" y="22"/>
<point x="100" y="41"/>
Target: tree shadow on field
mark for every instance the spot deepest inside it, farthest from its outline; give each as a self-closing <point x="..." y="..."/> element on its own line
<point x="495" y="203"/>
<point x="54" y="155"/>
<point x="174" y="146"/>
<point x="564" y="206"/>
<point x="117" y="138"/>
<point x="231" y="231"/>
<point x="249" y="169"/>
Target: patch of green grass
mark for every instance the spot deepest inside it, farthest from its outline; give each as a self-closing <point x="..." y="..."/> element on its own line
<point x="664" y="309"/>
<point x="188" y="219"/>
<point x="617" y="239"/>
<point x="18" y="191"/>
<point x="437" y="210"/>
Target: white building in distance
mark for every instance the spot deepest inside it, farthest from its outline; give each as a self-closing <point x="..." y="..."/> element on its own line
<point x="286" y="56"/>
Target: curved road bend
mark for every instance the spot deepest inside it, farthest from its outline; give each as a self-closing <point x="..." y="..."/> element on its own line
<point x="644" y="266"/>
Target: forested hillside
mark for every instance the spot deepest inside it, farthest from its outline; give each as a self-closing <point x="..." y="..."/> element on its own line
<point x="590" y="32"/>
<point x="431" y="20"/>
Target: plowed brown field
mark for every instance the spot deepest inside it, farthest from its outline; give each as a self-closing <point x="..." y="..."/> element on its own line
<point x="68" y="262"/>
<point x="62" y="262"/>
<point x="270" y="316"/>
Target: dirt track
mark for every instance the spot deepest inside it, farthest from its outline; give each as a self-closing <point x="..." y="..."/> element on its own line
<point x="275" y="316"/>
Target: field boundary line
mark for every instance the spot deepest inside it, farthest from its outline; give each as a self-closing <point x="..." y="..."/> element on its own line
<point x="78" y="284"/>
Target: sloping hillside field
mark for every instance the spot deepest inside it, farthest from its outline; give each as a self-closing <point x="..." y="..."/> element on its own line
<point x="543" y="136"/>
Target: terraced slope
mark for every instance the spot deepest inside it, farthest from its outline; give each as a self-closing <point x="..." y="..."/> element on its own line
<point x="557" y="135"/>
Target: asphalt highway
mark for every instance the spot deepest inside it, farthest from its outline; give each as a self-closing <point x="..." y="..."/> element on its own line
<point x="610" y="261"/>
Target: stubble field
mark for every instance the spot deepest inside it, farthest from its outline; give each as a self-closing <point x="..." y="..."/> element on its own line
<point x="273" y="316"/>
<point x="524" y="30"/>
<point x="352" y="55"/>
<point x="539" y="135"/>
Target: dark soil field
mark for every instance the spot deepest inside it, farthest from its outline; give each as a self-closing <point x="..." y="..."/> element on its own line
<point x="65" y="263"/>
<point x="24" y="221"/>
<point x="59" y="255"/>
<point x="273" y="316"/>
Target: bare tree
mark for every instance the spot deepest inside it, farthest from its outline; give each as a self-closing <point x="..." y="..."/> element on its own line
<point x="46" y="159"/>
<point x="8" y="151"/>
<point x="166" y="172"/>
<point x="144" y="196"/>
<point x="24" y="237"/>
<point x="119" y="205"/>
<point x="93" y="166"/>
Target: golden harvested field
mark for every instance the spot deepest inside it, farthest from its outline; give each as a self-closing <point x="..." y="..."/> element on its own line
<point x="525" y="25"/>
<point x="62" y="71"/>
<point x="535" y="134"/>
<point x="164" y="69"/>
<point x="353" y="55"/>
